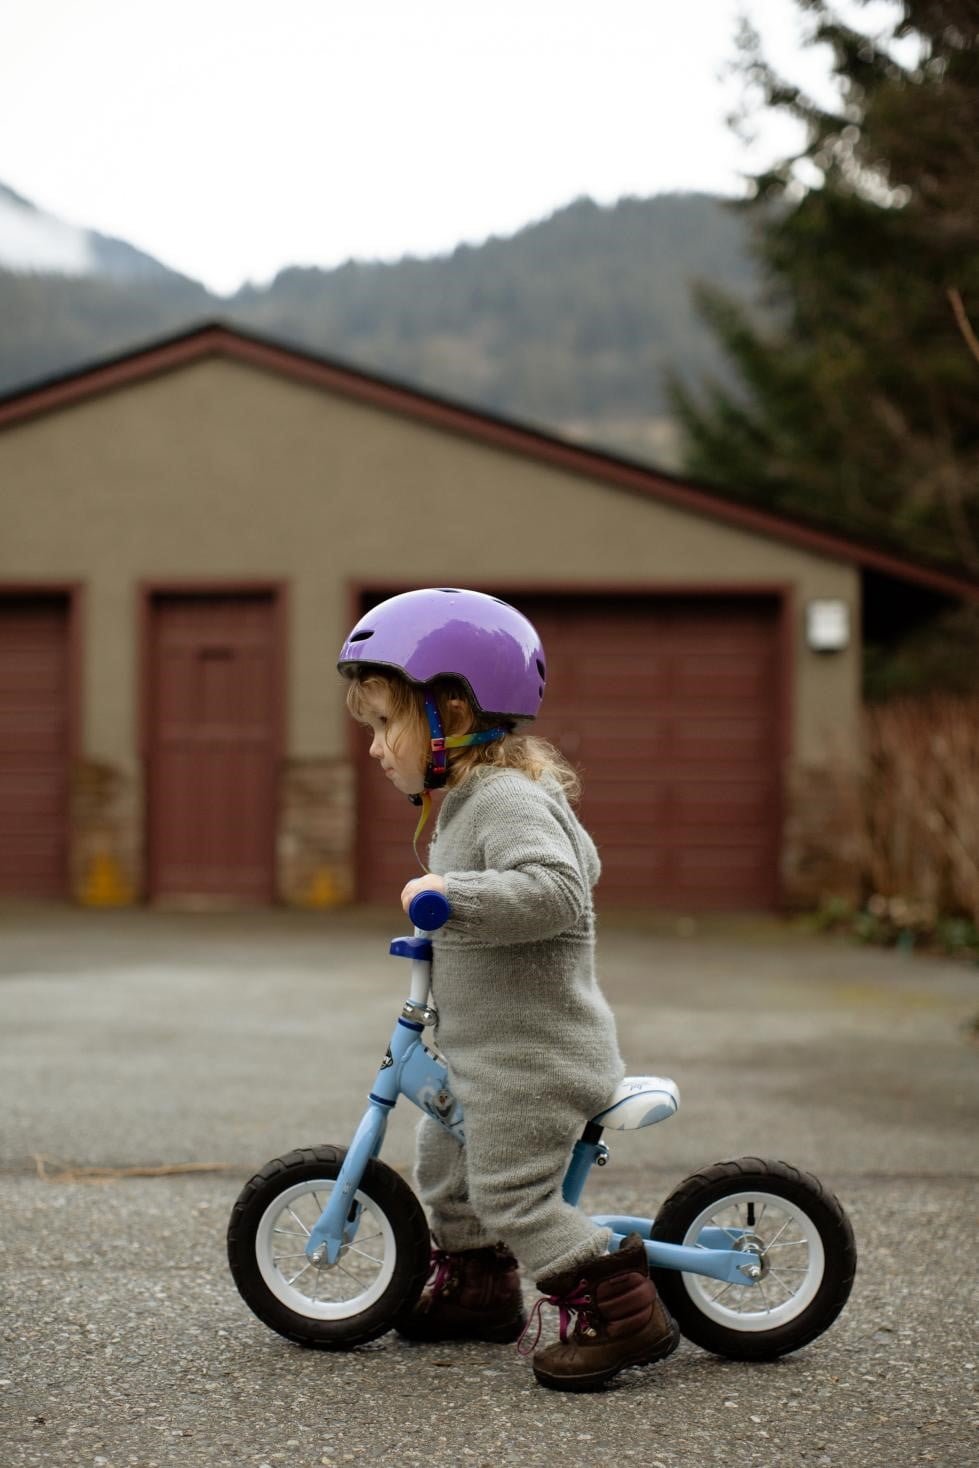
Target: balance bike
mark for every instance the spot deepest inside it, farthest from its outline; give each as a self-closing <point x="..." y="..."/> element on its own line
<point x="330" y="1247"/>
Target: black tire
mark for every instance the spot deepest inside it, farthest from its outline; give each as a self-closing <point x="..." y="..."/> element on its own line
<point x="815" y="1288"/>
<point x="282" y="1199"/>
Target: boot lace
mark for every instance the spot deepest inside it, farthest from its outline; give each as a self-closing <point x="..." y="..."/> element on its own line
<point x="442" y="1271"/>
<point x="575" y="1302"/>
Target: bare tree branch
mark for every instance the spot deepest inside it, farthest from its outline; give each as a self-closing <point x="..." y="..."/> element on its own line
<point x="964" y="324"/>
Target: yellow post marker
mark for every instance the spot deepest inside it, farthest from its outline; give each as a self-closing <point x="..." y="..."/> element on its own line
<point x="105" y="885"/>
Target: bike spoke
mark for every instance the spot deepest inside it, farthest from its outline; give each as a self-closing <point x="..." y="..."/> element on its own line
<point x="789" y="1289"/>
<point x="781" y="1231"/>
<point x="362" y="1254"/>
<point x="783" y="1273"/>
<point x="350" y="1275"/>
<point x="299" y="1275"/>
<point x="293" y="1214"/>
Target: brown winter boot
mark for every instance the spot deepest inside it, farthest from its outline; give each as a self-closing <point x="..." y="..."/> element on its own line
<point x="470" y="1296"/>
<point x="621" y="1321"/>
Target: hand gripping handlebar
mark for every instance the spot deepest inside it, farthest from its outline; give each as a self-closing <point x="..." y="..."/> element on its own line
<point x="429" y="911"/>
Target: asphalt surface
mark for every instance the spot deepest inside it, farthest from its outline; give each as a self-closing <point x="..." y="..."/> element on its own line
<point x="150" y="1062"/>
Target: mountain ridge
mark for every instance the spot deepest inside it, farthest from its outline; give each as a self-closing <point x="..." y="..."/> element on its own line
<point x="572" y="323"/>
<point x="34" y="241"/>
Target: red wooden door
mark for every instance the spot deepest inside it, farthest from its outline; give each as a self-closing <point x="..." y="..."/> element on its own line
<point x="34" y="683"/>
<point x="669" y="706"/>
<point x="213" y="718"/>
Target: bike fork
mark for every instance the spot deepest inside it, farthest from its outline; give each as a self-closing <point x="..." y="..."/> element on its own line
<point x="337" y="1223"/>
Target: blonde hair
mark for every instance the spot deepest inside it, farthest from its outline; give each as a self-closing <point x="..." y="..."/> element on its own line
<point x="526" y="753"/>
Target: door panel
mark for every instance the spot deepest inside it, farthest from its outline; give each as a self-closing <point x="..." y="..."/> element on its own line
<point x="34" y="723"/>
<point x="213" y="720"/>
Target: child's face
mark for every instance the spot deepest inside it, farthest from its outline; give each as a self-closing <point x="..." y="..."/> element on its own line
<point x="395" y="743"/>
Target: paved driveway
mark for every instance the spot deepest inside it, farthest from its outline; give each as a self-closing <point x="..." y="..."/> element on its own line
<point x="193" y="1048"/>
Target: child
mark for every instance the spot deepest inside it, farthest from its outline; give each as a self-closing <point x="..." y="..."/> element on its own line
<point x="442" y="678"/>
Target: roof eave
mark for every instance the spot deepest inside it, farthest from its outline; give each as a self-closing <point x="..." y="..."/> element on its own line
<point x="216" y="338"/>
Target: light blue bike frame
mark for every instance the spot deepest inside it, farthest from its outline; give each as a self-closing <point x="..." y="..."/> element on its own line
<point x="411" y="1069"/>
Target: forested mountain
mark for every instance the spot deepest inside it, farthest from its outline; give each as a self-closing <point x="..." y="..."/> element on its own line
<point x="573" y="323"/>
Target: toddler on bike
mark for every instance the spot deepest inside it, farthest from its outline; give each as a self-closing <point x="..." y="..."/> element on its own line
<point x="443" y="679"/>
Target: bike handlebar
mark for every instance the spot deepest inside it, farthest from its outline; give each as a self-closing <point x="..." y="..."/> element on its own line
<point x="428" y="911"/>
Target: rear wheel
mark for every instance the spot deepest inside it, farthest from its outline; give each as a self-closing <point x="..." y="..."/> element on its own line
<point x="381" y="1269"/>
<point x="805" y="1246"/>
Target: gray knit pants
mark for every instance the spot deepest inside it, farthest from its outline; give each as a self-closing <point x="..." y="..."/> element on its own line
<point x="504" y="1186"/>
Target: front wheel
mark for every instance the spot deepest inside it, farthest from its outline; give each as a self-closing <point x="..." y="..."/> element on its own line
<point x="381" y="1269"/>
<point x="805" y="1246"/>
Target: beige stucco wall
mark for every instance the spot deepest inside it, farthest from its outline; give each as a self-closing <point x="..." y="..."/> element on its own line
<point x="223" y="470"/>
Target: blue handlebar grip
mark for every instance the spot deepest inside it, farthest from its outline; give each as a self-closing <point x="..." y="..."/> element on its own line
<point x="428" y="911"/>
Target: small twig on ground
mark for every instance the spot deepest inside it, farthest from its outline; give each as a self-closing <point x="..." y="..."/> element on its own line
<point x="52" y="1170"/>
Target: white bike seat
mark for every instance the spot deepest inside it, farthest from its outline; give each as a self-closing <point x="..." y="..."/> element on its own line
<point x="639" y="1101"/>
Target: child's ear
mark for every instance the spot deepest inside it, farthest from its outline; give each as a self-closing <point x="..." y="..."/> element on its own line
<point x="459" y="709"/>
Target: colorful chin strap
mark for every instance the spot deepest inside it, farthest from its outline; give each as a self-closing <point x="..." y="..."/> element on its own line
<point x="436" y="771"/>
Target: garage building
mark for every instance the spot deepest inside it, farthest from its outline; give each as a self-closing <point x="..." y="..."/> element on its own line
<point x="186" y="534"/>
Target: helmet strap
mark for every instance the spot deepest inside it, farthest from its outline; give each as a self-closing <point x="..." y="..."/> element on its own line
<point x="425" y="801"/>
<point x="436" y="768"/>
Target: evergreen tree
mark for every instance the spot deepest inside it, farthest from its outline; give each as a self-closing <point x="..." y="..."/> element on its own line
<point x="858" y="398"/>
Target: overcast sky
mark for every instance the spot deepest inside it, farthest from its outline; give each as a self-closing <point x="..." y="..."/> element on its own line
<point x="231" y="138"/>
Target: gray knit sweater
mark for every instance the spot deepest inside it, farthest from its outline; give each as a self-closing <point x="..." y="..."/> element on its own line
<point x="513" y="970"/>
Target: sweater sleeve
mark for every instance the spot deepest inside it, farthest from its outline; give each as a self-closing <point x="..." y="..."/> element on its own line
<point x="531" y="886"/>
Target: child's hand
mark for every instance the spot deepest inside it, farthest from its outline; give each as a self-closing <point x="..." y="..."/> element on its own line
<point x="430" y="883"/>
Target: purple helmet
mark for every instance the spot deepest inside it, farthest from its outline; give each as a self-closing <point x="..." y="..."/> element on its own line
<point x="442" y="632"/>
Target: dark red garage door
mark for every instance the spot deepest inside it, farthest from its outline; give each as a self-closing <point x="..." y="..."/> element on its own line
<point x="670" y="709"/>
<point x="34" y="683"/>
<point x="212" y="724"/>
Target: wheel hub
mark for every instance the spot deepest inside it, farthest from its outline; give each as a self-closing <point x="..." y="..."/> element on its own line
<point x="752" y="1242"/>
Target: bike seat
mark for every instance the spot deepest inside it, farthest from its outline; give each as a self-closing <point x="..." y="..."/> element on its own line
<point x="639" y="1101"/>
